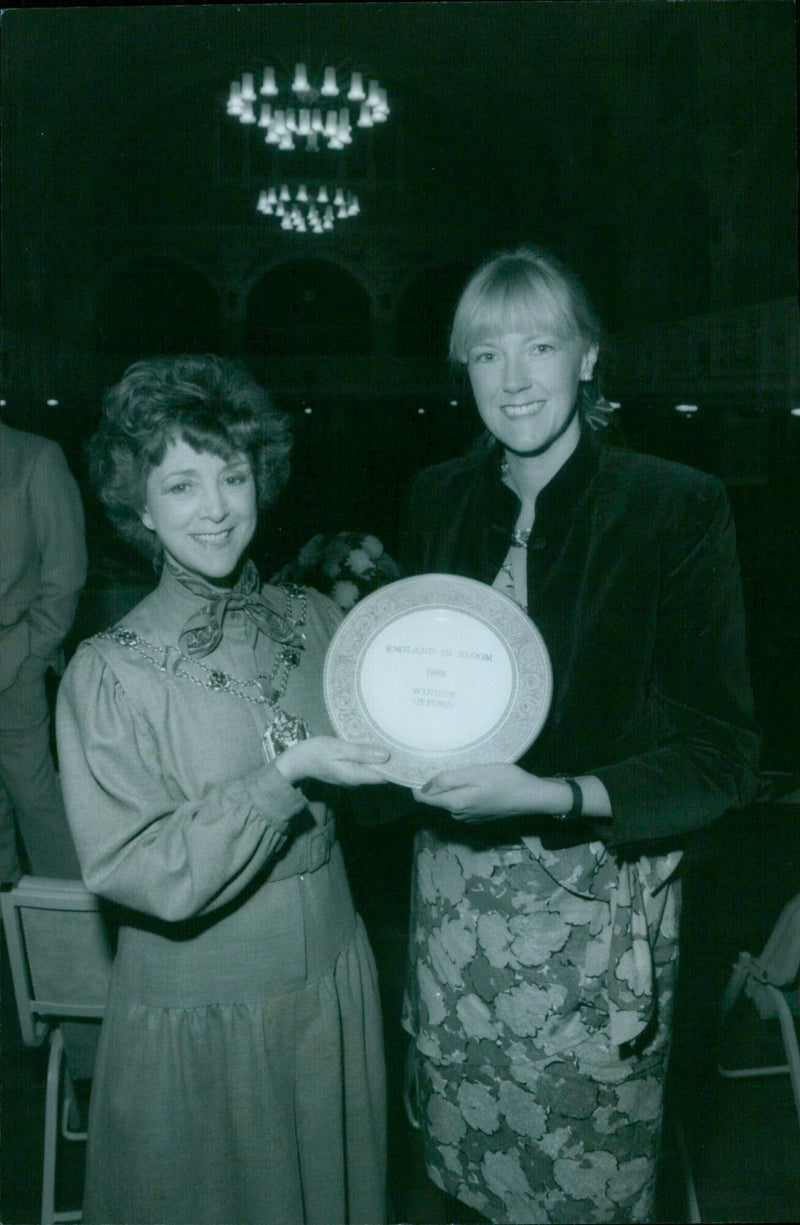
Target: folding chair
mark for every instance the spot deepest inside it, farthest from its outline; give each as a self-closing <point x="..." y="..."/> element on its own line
<point x="59" y="945"/>
<point x="770" y="982"/>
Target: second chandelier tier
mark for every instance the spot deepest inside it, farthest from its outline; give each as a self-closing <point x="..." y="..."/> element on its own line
<point x="308" y="208"/>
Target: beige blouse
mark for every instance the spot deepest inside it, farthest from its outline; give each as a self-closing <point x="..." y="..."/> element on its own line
<point x="172" y="804"/>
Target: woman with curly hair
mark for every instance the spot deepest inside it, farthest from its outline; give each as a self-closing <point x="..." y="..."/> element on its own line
<point x="240" y="1072"/>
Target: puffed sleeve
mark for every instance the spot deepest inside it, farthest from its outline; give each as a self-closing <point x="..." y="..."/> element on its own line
<point x="325" y="611"/>
<point x="705" y="757"/>
<point x="139" y="843"/>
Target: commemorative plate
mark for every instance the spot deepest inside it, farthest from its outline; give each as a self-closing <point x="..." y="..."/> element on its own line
<point x="443" y="671"/>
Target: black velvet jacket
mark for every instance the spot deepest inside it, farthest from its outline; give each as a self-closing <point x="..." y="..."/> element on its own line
<point x="633" y="581"/>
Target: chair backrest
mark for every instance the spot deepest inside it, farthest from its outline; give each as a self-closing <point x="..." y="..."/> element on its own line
<point x="60" y="950"/>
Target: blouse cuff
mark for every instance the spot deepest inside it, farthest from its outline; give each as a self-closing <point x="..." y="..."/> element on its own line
<point x="273" y="795"/>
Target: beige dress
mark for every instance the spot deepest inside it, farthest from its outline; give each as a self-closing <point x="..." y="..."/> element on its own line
<point x="240" y="1075"/>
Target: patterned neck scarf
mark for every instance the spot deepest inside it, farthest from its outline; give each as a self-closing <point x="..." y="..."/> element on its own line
<point x="202" y="633"/>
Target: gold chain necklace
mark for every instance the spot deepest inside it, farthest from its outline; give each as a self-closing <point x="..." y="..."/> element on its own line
<point x="265" y="689"/>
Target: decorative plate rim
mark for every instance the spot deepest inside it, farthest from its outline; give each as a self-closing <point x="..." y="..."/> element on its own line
<point x="532" y="681"/>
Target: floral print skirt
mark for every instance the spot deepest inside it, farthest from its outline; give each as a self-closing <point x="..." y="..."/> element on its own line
<point x="540" y="1002"/>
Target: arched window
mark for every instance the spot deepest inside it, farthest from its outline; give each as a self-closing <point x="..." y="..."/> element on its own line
<point x="310" y="307"/>
<point x="154" y="306"/>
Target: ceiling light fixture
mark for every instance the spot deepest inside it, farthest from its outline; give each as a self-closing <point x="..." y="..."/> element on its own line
<point x="308" y="208"/>
<point x="317" y="115"/>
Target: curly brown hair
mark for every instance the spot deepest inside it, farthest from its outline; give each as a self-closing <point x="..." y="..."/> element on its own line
<point x="209" y="402"/>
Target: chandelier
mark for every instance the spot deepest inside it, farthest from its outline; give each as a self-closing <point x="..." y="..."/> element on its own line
<point x="317" y="115"/>
<point x="308" y="209"/>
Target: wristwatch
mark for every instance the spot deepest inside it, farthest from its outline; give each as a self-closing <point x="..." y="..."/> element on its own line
<point x="576" y="808"/>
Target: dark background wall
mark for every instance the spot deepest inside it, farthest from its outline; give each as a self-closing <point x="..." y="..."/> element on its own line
<point x="652" y="145"/>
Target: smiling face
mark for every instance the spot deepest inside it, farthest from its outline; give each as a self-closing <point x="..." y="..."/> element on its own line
<point x="526" y="385"/>
<point x="202" y="507"/>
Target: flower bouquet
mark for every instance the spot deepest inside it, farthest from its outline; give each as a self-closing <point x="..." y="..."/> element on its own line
<point x="346" y="567"/>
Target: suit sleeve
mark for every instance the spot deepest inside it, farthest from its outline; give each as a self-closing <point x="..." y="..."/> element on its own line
<point x="57" y="514"/>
